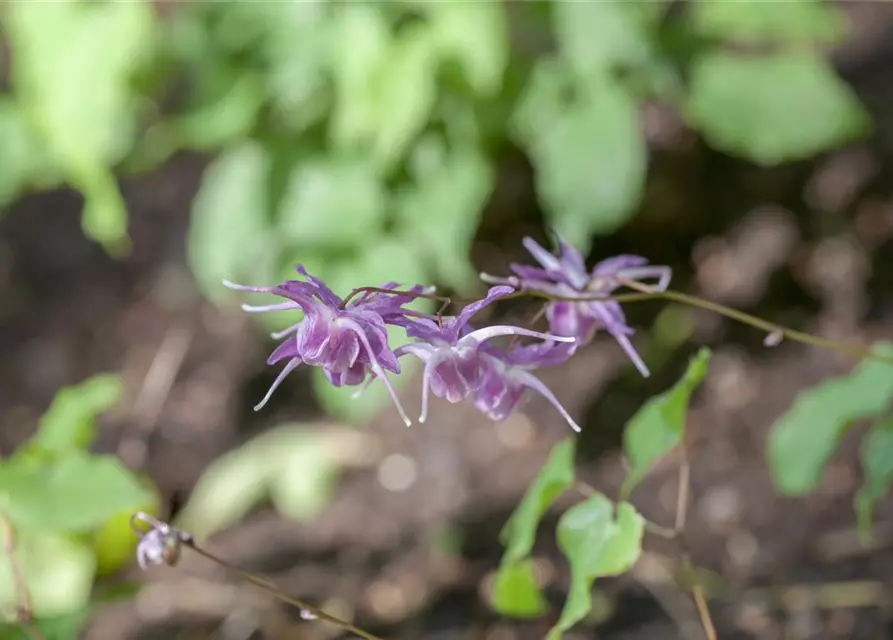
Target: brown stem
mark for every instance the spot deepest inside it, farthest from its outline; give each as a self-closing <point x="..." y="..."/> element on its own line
<point x="272" y="589"/>
<point x="23" y="610"/>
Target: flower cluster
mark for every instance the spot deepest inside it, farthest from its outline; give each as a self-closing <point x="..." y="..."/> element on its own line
<point x="347" y="337"/>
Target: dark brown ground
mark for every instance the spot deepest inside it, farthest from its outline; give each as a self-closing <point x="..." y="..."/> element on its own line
<point x="808" y="245"/>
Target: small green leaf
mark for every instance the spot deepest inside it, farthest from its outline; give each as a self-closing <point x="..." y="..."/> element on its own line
<point x="332" y="203"/>
<point x="58" y="571"/>
<point x="228" y="232"/>
<point x="77" y="492"/>
<point x="73" y="63"/>
<point x="590" y="156"/>
<point x="442" y="210"/>
<point x="556" y="476"/>
<point x="597" y="545"/>
<point x="70" y="422"/>
<point x="64" y="627"/>
<point x="877" y="467"/>
<point x="659" y="424"/>
<point x="773" y="109"/>
<point x="515" y="592"/>
<point x="801" y="22"/>
<point x="307" y="472"/>
<point x="23" y="155"/>
<point x="595" y="37"/>
<point x="803" y="439"/>
<point x="476" y="35"/>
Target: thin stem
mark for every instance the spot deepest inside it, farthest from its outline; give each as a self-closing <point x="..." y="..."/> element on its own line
<point x="395" y="292"/>
<point x="23" y="609"/>
<point x="273" y="590"/>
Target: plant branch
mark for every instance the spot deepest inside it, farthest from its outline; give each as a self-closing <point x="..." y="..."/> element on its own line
<point x="23" y="609"/>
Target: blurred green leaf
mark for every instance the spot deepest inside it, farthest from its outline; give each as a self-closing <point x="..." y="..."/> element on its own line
<point x="355" y="73"/>
<point x="70" y="421"/>
<point x="229" y="228"/>
<point x="405" y="95"/>
<point x="803" y="438"/>
<point x="475" y="34"/>
<point x="515" y="592"/>
<point x="292" y="465"/>
<point x="23" y="155"/>
<point x="596" y="37"/>
<point x="773" y="109"/>
<point x="659" y="424"/>
<point x="597" y="544"/>
<point x="590" y="157"/>
<point x="384" y="258"/>
<point x="556" y="476"/>
<point x="57" y="570"/>
<point x="64" y="627"/>
<point x="804" y="21"/>
<point x="226" y="119"/>
<point x="77" y="492"/>
<point x="72" y="67"/>
<point x="877" y="467"/>
<point x="440" y="212"/>
<point x="332" y="203"/>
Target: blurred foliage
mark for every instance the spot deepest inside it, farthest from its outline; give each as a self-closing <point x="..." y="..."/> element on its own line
<point x="64" y="507"/>
<point x="804" y="438"/>
<point x="324" y="153"/>
<point x="599" y="538"/>
<point x="292" y="466"/>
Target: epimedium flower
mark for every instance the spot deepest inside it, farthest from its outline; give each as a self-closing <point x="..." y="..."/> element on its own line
<point x="505" y="378"/>
<point x="347" y="340"/>
<point x="452" y="352"/>
<point x="565" y="276"/>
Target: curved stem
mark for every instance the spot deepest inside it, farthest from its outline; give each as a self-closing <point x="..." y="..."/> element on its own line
<point x="273" y="590"/>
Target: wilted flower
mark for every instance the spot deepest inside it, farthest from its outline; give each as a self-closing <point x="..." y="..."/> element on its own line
<point x="160" y="544"/>
<point x="566" y="276"/>
<point x="347" y="340"/>
<point x="505" y="377"/>
<point x="451" y="352"/>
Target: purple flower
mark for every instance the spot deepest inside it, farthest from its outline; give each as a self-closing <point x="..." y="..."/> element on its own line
<point x="505" y="377"/>
<point x="451" y="352"/>
<point x="347" y="341"/>
<point x="566" y="276"/>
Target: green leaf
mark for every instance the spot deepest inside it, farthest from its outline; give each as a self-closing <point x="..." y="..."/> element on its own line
<point x="355" y="71"/>
<point x="70" y="421"/>
<point x="595" y="37"/>
<point x="23" y="155"/>
<point x="442" y="209"/>
<point x="228" y="230"/>
<point x="475" y="34"/>
<point x="773" y="109"/>
<point x="803" y="439"/>
<point x="58" y="571"/>
<point x="597" y="544"/>
<point x="659" y="424"/>
<point x="556" y="476"/>
<point x="590" y="157"/>
<point x="801" y="22"/>
<point x="228" y="117"/>
<point x="515" y="592"/>
<point x="77" y="492"/>
<point x="72" y="66"/>
<point x="877" y="467"/>
<point x="386" y="258"/>
<point x="405" y="94"/>
<point x="291" y="465"/>
<point x="64" y="627"/>
<point x="332" y="203"/>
